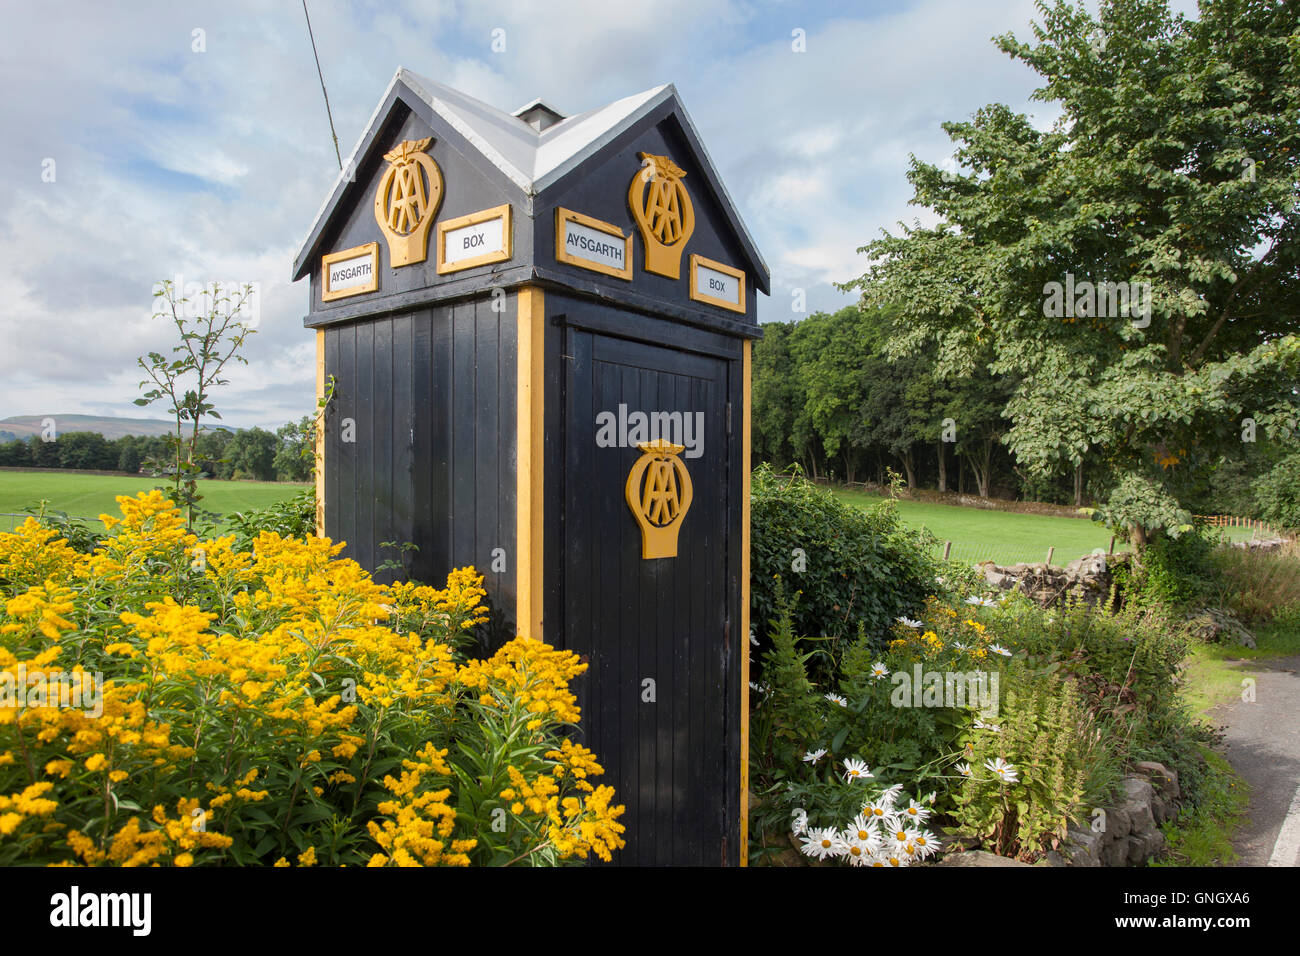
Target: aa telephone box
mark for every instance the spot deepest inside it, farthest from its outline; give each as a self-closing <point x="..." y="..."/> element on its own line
<point x="535" y="333"/>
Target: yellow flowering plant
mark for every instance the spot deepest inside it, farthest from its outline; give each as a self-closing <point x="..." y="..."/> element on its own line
<point x="170" y="700"/>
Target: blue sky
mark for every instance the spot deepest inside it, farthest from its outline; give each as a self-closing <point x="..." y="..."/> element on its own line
<point x="211" y="163"/>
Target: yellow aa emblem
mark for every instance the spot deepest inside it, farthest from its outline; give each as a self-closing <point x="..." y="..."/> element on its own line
<point x="663" y="211"/>
<point x="407" y="201"/>
<point x="659" y="492"/>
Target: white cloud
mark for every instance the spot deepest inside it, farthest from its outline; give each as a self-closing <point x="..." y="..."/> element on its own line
<point x="214" y="164"/>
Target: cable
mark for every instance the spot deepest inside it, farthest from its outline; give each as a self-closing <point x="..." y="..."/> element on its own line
<point x="328" y="114"/>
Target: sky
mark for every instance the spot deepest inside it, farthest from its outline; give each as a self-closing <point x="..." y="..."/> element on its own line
<point x="151" y="140"/>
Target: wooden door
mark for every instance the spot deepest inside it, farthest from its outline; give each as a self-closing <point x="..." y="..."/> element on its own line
<point x="656" y="698"/>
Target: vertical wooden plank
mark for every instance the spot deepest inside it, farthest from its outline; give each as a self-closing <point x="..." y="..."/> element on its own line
<point x="439" y="414"/>
<point x="464" y="435"/>
<point x="530" y="469"/>
<point x="487" y="518"/>
<point x="403" y="440"/>
<point x="365" y="547"/>
<point x="382" y="449"/>
<point x="507" y="355"/>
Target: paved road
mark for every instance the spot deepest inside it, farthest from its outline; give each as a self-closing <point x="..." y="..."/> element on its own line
<point x="1263" y="744"/>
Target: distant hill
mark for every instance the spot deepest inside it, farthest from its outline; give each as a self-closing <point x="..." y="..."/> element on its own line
<point x="24" y="426"/>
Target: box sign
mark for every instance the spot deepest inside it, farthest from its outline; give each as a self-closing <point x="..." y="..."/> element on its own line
<point x="592" y="244"/>
<point x="350" y="272"/>
<point x="478" y="239"/>
<point x="716" y="283"/>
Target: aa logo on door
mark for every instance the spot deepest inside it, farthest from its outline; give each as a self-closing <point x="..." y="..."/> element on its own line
<point x="407" y="201"/>
<point x="659" y="492"/>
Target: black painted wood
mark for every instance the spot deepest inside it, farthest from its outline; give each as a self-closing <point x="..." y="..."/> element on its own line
<point x="430" y="396"/>
<point x="663" y="620"/>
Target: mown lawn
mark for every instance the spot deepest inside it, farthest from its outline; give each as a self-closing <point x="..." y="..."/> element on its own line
<point x="92" y="495"/>
<point x="1005" y="537"/>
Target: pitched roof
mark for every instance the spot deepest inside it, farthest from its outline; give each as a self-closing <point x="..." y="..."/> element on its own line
<point x="533" y="160"/>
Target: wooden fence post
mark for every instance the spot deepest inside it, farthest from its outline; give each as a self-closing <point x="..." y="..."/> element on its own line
<point x="1049" y="553"/>
<point x="947" y="549"/>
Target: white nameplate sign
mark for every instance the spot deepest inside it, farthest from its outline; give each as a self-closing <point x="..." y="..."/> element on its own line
<point x="717" y="284"/>
<point x="592" y="244"/>
<point x="350" y="272"/>
<point x="474" y="240"/>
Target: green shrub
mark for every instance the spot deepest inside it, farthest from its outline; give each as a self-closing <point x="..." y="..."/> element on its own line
<point x="1277" y="493"/>
<point x="1172" y="573"/>
<point x="854" y="569"/>
<point x="1045" y="737"/>
<point x="294" y="517"/>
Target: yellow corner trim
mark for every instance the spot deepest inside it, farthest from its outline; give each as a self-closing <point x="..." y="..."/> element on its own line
<point x="320" y="433"/>
<point x="530" y="462"/>
<point x="745" y="452"/>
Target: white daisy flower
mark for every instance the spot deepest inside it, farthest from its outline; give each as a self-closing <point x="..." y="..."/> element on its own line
<point x="898" y="836"/>
<point x="837" y="699"/>
<point x="908" y="622"/>
<point x="864" y="831"/>
<point x="1004" y="771"/>
<point x="915" y="812"/>
<point x="960" y="646"/>
<point x="879" y="670"/>
<point x="964" y="769"/>
<point x="813" y="756"/>
<point x="999" y="649"/>
<point x="857" y="854"/>
<point x="980" y="725"/>
<point x="890" y="796"/>
<point x="876" y="810"/>
<point x="979" y="601"/>
<point x="924" y="844"/>
<point x="820" y="842"/>
<point x="855" y="769"/>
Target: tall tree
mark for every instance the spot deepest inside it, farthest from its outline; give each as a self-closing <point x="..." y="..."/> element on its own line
<point x="1136" y="266"/>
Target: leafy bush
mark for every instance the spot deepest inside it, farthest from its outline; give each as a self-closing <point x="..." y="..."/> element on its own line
<point x="1277" y="493"/>
<point x="1024" y="805"/>
<point x="1078" y="695"/>
<point x="854" y="569"/>
<point x="1140" y="508"/>
<point x="1171" y="573"/>
<point x="294" y="517"/>
<point x="175" y="701"/>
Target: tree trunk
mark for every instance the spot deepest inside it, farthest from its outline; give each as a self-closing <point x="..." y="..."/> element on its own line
<point x="1078" y="485"/>
<point x="943" y="469"/>
<point x="983" y="469"/>
<point x="961" y="475"/>
<point x="906" y="459"/>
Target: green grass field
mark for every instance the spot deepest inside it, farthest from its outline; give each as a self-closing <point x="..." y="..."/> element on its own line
<point x="89" y="496"/>
<point x="1002" y="536"/>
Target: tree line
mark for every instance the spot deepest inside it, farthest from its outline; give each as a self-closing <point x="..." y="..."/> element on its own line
<point x="1170" y="176"/>
<point x="287" y="454"/>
